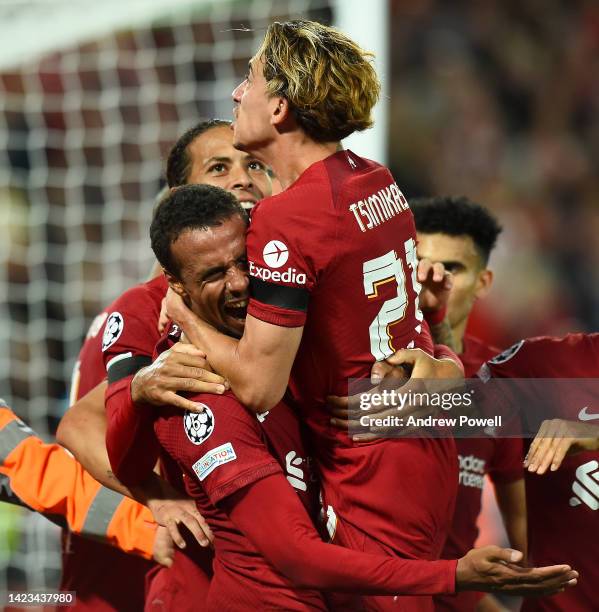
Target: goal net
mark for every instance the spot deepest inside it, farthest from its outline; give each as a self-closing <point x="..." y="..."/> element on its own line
<point x="92" y="95"/>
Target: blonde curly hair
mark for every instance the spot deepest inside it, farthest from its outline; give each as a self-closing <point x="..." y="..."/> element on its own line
<point x="328" y="79"/>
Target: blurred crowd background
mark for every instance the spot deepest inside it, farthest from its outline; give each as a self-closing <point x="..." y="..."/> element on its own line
<point x="495" y="100"/>
<point x="499" y="101"/>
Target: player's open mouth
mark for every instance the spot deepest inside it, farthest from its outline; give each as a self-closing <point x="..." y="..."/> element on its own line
<point x="247" y="204"/>
<point x="237" y="310"/>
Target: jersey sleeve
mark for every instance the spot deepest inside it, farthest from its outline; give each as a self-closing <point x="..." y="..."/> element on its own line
<point x="129" y="337"/>
<point x="130" y="332"/>
<point x="300" y="554"/>
<point x="221" y="449"/>
<point x="48" y="480"/>
<point x="286" y="253"/>
<point x="130" y="441"/>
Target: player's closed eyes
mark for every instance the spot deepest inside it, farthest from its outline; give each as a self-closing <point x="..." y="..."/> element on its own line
<point x="217" y="274"/>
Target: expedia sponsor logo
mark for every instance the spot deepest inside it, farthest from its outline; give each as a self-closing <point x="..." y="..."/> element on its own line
<point x="291" y="275"/>
<point x="275" y="254"/>
<point x="472" y="471"/>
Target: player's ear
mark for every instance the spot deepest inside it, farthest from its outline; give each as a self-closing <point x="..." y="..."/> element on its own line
<point x="280" y="110"/>
<point x="175" y="284"/>
<point x="483" y="283"/>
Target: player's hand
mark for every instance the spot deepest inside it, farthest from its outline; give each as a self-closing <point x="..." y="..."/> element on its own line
<point x="436" y="285"/>
<point x="175" y="513"/>
<point x="555" y="439"/>
<point x="182" y="368"/>
<point x="419" y="364"/>
<point x="164" y="547"/>
<point x="495" y="569"/>
<point x="346" y="412"/>
<point x="163" y="318"/>
<point x="176" y="309"/>
<point x="423" y="366"/>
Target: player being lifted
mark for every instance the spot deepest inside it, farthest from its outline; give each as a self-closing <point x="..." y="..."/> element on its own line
<point x="332" y="262"/>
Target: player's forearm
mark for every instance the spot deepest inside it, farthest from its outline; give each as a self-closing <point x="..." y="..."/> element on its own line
<point x="130" y="443"/>
<point x="442" y="334"/>
<point x="252" y="374"/>
<point x="299" y="554"/>
<point x="511" y="499"/>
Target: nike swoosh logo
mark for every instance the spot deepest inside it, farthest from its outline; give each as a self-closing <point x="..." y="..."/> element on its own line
<point x="583" y="415"/>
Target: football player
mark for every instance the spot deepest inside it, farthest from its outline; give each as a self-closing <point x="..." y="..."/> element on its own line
<point x="461" y="235"/>
<point x="333" y="269"/>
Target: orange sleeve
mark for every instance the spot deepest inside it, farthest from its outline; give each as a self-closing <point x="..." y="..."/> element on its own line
<point x="49" y="480"/>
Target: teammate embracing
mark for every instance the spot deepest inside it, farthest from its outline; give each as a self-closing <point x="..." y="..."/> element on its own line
<point x="333" y="271"/>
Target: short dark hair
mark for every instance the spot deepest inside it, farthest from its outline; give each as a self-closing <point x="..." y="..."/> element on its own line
<point x="188" y="208"/>
<point x="457" y="216"/>
<point x="179" y="162"/>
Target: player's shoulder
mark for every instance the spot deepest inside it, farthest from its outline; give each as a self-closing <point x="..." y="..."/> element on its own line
<point x="225" y="407"/>
<point x="309" y="191"/>
<point x="556" y="347"/>
<point x="133" y="317"/>
<point x="222" y="417"/>
<point x="543" y="356"/>
<point x="477" y="348"/>
<point x="138" y="295"/>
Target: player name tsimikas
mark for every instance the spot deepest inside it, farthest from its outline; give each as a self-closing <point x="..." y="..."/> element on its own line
<point x="379" y="207"/>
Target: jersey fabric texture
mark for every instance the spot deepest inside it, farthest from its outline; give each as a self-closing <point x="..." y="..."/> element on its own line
<point x="500" y="458"/>
<point x="336" y="253"/>
<point x="562" y="506"/>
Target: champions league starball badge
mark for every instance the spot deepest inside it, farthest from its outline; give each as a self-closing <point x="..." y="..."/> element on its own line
<point x="198" y="426"/>
<point x="113" y="329"/>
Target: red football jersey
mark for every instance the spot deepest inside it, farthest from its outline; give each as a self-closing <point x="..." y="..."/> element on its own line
<point x="563" y="506"/>
<point x="500" y="458"/>
<point x="336" y="253"/>
<point x="221" y="451"/>
<point x="92" y="569"/>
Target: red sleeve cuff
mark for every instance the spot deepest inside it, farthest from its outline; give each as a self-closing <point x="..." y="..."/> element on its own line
<point x="275" y="315"/>
<point x="450" y="568"/>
